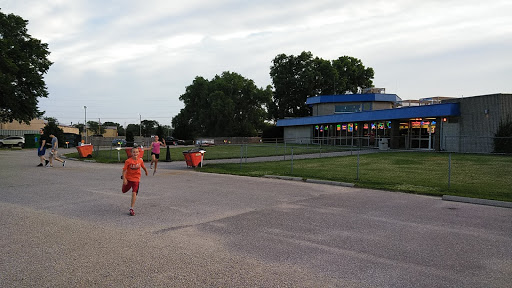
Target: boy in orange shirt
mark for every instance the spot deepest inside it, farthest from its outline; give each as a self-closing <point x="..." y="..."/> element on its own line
<point x="131" y="176"/>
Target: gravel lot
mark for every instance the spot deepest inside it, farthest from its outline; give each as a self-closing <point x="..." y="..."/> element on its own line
<point x="69" y="227"/>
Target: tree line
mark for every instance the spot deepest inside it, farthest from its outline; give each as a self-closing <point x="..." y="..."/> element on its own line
<point x="231" y="105"/>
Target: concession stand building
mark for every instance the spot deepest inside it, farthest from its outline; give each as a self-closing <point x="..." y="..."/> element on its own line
<point x="384" y="121"/>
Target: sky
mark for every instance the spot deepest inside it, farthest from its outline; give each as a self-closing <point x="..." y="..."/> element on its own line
<point x="129" y="60"/>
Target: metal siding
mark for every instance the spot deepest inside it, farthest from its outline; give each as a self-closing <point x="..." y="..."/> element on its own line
<point x="474" y="121"/>
<point x="6" y="133"/>
<point x="476" y="129"/>
<point x="298" y="134"/>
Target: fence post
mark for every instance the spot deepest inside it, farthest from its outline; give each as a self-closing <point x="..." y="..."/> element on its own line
<point x="284" y="153"/>
<point x="241" y="155"/>
<point x="449" y="168"/>
<point x="246" y="152"/>
<point x="292" y="160"/>
<point x="357" y="169"/>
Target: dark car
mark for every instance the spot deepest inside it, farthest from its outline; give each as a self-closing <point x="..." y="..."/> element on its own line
<point x="171" y="141"/>
<point x="185" y="142"/>
<point x="70" y="140"/>
<point x="119" y="142"/>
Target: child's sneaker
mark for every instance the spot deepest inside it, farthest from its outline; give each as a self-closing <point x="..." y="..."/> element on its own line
<point x="40" y="165"/>
<point x="132" y="213"/>
<point x="64" y="164"/>
<point x="46" y="162"/>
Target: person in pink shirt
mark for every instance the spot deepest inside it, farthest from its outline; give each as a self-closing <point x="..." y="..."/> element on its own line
<point x="155" y="152"/>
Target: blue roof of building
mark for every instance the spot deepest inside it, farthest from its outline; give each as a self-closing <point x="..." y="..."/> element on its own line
<point x="437" y="110"/>
<point x="370" y="97"/>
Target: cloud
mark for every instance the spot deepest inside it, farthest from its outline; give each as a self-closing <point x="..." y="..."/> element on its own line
<point x="117" y="52"/>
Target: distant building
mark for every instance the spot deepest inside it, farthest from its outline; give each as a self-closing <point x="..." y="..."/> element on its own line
<point x="374" y="119"/>
<point x="19" y="129"/>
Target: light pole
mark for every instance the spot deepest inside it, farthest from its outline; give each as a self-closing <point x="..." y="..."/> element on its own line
<point x="85" y="123"/>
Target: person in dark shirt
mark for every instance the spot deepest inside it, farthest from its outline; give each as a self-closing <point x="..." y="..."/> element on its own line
<point x="41" y="149"/>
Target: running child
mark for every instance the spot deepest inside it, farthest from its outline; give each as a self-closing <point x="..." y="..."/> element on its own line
<point x="155" y="152"/>
<point x="131" y="176"/>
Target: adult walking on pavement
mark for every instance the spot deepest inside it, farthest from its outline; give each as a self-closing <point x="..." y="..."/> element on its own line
<point x="54" y="151"/>
<point x="41" y="149"/>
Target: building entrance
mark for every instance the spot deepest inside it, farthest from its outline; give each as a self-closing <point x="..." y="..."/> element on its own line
<point x="422" y="133"/>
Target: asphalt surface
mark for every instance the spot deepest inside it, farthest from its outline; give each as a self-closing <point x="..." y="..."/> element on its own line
<point x="69" y="227"/>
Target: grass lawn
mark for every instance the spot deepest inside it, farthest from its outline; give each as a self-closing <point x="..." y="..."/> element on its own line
<point x="108" y="155"/>
<point x="477" y="176"/>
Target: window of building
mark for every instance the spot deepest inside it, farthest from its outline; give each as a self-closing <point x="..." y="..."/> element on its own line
<point x="347" y="108"/>
<point x="367" y="106"/>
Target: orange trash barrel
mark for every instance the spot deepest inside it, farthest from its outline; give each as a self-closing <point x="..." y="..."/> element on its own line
<point x="194" y="157"/>
<point x="85" y="151"/>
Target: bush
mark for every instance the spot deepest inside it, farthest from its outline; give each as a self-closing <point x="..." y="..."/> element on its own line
<point x="53" y="128"/>
<point x="503" y="138"/>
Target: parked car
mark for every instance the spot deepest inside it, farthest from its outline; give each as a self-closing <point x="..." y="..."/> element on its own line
<point x="13" y="141"/>
<point x="119" y="142"/>
<point x="71" y="139"/>
<point x="171" y="141"/>
<point x="185" y="142"/>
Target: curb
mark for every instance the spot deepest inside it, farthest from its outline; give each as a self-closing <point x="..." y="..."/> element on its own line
<point x="495" y="203"/>
<point x="284" y="177"/>
<point x="325" y="182"/>
<point x="330" y="182"/>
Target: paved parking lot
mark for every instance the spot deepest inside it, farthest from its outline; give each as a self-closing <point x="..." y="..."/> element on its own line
<point x="69" y="227"/>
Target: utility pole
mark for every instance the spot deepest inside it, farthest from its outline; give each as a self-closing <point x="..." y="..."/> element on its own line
<point x="85" y="123"/>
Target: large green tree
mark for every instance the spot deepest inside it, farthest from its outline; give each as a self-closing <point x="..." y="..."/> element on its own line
<point x="295" y="78"/>
<point x="351" y="75"/>
<point x="53" y="128"/>
<point x="95" y="127"/>
<point x="149" y="127"/>
<point x="23" y="62"/>
<point x="132" y="129"/>
<point x="228" y="105"/>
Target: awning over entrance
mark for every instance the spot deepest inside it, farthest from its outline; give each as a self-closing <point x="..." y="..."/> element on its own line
<point x="436" y="110"/>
